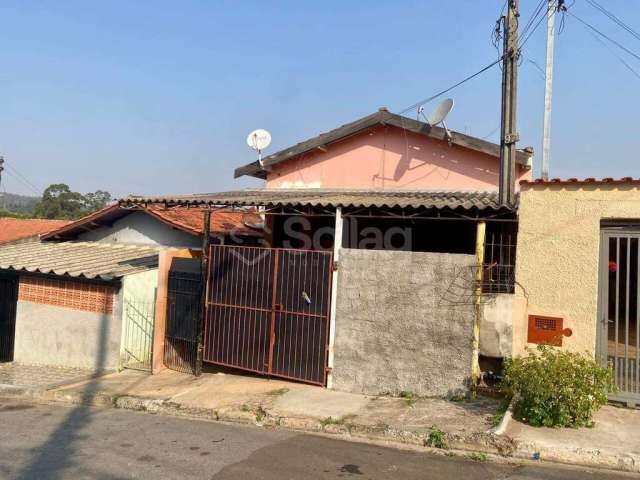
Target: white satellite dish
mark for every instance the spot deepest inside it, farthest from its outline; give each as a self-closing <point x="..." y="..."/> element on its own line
<point x="440" y="113"/>
<point x="259" y="140"/>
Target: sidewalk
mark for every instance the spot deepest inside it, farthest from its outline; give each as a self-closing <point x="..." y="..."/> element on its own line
<point x="614" y="441"/>
<point x="246" y="399"/>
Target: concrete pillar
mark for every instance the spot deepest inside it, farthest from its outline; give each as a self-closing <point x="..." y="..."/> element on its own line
<point x="337" y="245"/>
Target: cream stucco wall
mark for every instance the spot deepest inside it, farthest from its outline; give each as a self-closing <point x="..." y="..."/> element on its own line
<point x="558" y="254"/>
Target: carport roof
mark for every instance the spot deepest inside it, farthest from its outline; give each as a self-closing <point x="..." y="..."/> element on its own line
<point x="317" y="197"/>
<point x="78" y="259"/>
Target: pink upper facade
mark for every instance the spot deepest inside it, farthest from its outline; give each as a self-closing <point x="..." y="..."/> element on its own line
<point x="390" y="157"/>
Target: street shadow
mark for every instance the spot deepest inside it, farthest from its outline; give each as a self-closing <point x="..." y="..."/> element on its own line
<point x="58" y="452"/>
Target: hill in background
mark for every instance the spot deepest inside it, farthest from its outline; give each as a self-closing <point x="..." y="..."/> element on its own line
<point x="12" y="204"/>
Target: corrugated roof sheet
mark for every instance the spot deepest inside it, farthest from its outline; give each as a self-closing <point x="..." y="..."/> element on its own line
<point x="12" y="229"/>
<point x="317" y="197"/>
<point x="81" y="259"/>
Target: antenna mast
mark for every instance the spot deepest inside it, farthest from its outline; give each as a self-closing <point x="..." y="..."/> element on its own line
<point x="508" y="134"/>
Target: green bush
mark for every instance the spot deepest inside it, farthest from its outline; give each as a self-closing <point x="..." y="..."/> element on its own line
<point x="556" y="388"/>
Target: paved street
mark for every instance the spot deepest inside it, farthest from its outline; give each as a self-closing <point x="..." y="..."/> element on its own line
<point x="46" y="441"/>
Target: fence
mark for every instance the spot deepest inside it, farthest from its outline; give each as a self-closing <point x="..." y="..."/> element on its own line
<point x="138" y="334"/>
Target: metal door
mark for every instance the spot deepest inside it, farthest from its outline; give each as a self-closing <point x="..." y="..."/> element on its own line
<point x="8" y="303"/>
<point x="139" y="320"/>
<point x="619" y="312"/>
<point x="184" y="306"/>
<point x="268" y="311"/>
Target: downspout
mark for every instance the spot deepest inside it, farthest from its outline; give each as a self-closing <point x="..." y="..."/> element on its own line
<point x="204" y="271"/>
<point x="481" y="227"/>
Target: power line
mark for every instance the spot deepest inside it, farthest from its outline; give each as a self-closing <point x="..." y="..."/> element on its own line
<point x="622" y="60"/>
<point x="24" y="182"/>
<point x="25" y="179"/>
<point x="603" y="35"/>
<point x="446" y="90"/>
<point x="612" y="17"/>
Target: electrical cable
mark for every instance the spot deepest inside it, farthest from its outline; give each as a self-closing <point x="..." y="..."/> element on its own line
<point x="615" y="19"/>
<point x="603" y="35"/>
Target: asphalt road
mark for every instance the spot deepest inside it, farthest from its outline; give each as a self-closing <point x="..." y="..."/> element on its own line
<point x="52" y="441"/>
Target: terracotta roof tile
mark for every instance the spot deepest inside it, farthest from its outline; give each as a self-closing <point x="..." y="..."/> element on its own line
<point x="12" y="229"/>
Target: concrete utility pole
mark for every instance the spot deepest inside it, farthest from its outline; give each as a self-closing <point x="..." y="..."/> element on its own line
<point x="508" y="133"/>
<point x="548" y="87"/>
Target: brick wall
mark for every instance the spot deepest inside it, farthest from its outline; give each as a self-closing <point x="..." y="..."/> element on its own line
<point x="74" y="294"/>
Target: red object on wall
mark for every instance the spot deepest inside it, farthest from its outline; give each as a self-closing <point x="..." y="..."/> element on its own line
<point x="613" y="266"/>
<point x="545" y="330"/>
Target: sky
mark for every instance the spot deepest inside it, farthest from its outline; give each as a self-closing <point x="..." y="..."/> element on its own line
<point x="157" y="97"/>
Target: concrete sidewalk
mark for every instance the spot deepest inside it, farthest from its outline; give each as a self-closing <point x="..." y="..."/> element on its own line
<point x="246" y="399"/>
<point x="613" y="442"/>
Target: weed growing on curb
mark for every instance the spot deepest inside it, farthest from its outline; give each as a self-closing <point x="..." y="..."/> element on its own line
<point x="437" y="438"/>
<point x="478" y="457"/>
<point x="410" y="397"/>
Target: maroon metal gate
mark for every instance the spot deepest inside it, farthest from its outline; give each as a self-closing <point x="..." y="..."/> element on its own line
<point x="267" y="311"/>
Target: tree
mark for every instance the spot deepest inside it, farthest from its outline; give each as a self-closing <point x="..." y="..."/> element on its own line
<point x="59" y="201"/>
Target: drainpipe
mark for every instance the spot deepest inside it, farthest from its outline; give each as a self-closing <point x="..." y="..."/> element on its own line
<point x="204" y="270"/>
<point x="337" y="245"/>
<point x="480" y="241"/>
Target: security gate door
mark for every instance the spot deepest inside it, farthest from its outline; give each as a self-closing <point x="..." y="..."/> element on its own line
<point x="268" y="311"/>
<point x="8" y="303"/>
<point x="619" y="312"/>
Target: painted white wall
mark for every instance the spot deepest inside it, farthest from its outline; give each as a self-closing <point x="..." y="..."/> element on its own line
<point x="138" y="228"/>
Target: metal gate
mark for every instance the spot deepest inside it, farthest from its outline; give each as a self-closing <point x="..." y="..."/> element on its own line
<point x="268" y="311"/>
<point x="619" y="309"/>
<point x="8" y="302"/>
<point x="184" y="307"/>
<point x="139" y="320"/>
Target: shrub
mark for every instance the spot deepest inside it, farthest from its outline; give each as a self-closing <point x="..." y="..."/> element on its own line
<point x="556" y="388"/>
<point x="437" y="438"/>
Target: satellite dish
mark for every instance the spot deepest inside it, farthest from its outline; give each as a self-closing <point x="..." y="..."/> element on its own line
<point x="441" y="112"/>
<point x="259" y="139"/>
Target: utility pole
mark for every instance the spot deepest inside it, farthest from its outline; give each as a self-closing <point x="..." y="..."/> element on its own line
<point x="508" y="133"/>
<point x="548" y="87"/>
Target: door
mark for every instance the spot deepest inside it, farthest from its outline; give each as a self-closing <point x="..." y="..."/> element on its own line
<point x="139" y="320"/>
<point x="267" y="311"/>
<point x="8" y="304"/>
<point x="184" y="307"/>
<point x="619" y="292"/>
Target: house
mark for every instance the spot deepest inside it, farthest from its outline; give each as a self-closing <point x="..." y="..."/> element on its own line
<point x="578" y="273"/>
<point x="395" y="303"/>
<point x="84" y="295"/>
<point x="22" y="229"/>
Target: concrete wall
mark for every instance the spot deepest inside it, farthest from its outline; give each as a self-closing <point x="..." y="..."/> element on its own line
<point x="558" y="254"/>
<point x="496" y="323"/>
<point x="139" y="228"/>
<point x="389" y="157"/>
<point x="404" y="321"/>
<point x="48" y="335"/>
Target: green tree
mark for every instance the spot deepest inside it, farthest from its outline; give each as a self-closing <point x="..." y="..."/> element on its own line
<point x="59" y="201"/>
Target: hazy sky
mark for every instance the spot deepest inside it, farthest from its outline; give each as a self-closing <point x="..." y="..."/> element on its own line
<point x="158" y="96"/>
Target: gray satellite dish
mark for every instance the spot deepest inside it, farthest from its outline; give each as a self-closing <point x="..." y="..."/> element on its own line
<point x="440" y="113"/>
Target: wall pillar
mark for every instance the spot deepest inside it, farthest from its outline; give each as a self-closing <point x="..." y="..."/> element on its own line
<point x="481" y="228"/>
<point x="337" y="245"/>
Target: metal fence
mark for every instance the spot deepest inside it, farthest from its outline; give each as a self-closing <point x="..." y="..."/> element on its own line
<point x="139" y="320"/>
